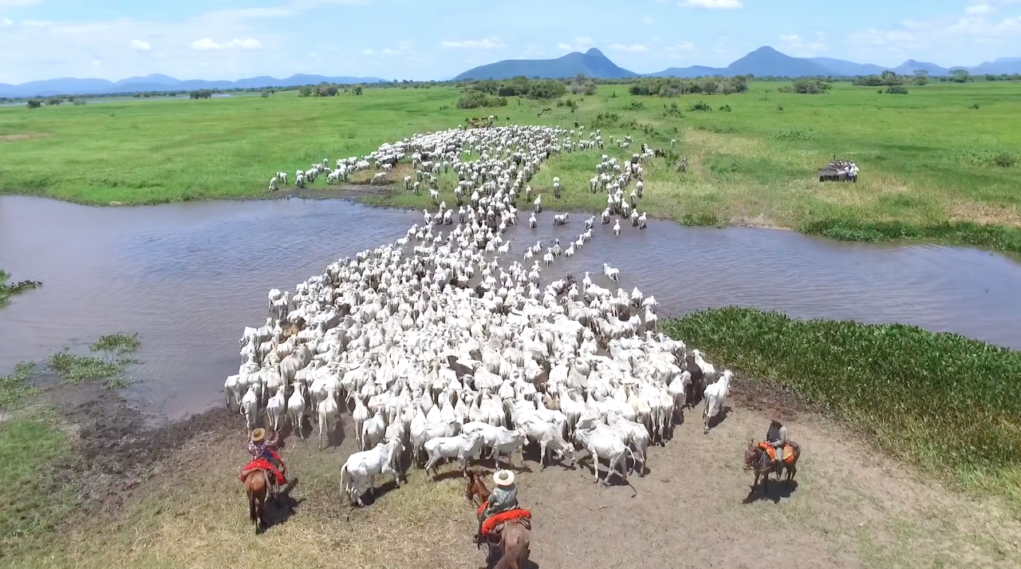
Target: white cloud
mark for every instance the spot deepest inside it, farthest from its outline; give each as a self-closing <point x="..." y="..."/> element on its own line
<point x="492" y="42"/>
<point x="678" y="49"/>
<point x="978" y="9"/>
<point x="8" y="22"/>
<point x="581" y="43"/>
<point x="19" y="2"/>
<point x="207" y="44"/>
<point x="368" y="52"/>
<point x="388" y="51"/>
<point x="711" y="4"/>
<point x="97" y="62"/>
<point x="650" y="21"/>
<point x="139" y="45"/>
<point x="799" y="47"/>
<point x="635" y="47"/>
<point x="37" y="23"/>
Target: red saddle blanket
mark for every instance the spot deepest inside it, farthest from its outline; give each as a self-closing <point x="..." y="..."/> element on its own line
<point x="503" y="517"/>
<point x="262" y="464"/>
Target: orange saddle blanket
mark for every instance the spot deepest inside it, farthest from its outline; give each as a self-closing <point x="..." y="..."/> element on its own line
<point x="788" y="452"/>
<point x="503" y="517"/>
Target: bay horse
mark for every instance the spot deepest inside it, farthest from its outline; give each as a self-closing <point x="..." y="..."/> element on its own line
<point x="758" y="460"/>
<point x="512" y="551"/>
<point x="257" y="489"/>
<point x="476" y="488"/>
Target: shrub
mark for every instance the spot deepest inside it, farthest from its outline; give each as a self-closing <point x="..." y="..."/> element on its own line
<point x="607" y="119"/>
<point x="634" y="106"/>
<point x="672" y="111"/>
<point x="810" y="86"/>
<point x="473" y="99"/>
<point x="973" y="106"/>
<point x="700" y="107"/>
<point x="1005" y="160"/>
<point x="941" y="400"/>
<point x="897" y="90"/>
<point x="34" y="103"/>
<point x="779" y="107"/>
<point x="725" y="108"/>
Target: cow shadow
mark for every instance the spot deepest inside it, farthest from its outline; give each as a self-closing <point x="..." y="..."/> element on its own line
<point x="369" y="497"/>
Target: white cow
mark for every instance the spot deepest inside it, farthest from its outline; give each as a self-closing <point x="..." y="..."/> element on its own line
<point x="362" y="467"/>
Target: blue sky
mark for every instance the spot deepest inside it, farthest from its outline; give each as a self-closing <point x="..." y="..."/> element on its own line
<point x="416" y="39"/>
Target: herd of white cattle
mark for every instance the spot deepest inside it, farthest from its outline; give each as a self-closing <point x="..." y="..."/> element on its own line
<point x="440" y="344"/>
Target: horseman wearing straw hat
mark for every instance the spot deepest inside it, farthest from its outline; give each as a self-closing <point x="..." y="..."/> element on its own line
<point x="502" y="499"/>
<point x="776" y="437"/>
<point x="259" y="447"/>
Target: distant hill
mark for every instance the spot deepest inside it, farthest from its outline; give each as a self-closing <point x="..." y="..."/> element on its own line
<point x="848" y="68"/>
<point x="765" y="61"/>
<point x="910" y="66"/>
<point x="157" y="82"/>
<point x="592" y="63"/>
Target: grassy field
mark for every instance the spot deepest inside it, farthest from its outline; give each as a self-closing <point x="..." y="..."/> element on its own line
<point x="933" y="166"/>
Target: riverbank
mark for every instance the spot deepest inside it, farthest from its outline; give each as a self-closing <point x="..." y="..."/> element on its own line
<point x="751" y="165"/>
<point x="96" y="483"/>
<point x="941" y="401"/>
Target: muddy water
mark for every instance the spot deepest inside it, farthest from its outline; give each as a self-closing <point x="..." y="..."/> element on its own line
<point x="189" y="277"/>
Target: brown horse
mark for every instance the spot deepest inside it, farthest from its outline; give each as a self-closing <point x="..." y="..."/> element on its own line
<point x="512" y="550"/>
<point x="257" y="489"/>
<point x="758" y="460"/>
<point x="476" y="488"/>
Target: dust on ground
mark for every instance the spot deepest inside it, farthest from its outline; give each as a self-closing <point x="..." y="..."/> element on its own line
<point x="169" y="496"/>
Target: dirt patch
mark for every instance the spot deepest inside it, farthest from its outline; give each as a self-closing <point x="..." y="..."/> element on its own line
<point x="850" y="507"/>
<point x="984" y="213"/>
<point x="23" y="136"/>
<point x="118" y="449"/>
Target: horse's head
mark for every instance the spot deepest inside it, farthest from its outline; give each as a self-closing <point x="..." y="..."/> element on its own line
<point x="750" y="454"/>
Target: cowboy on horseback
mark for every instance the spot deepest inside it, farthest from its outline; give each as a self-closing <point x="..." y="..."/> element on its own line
<point x="502" y="499"/>
<point x="259" y="447"/>
<point x="776" y="437"/>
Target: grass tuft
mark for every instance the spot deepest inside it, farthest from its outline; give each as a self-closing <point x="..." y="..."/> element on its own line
<point x="994" y="237"/>
<point x="947" y="403"/>
<point x="107" y="366"/>
<point x="117" y="343"/>
<point x="14" y="388"/>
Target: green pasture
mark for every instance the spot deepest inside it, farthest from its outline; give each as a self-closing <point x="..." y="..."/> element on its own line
<point x="940" y="163"/>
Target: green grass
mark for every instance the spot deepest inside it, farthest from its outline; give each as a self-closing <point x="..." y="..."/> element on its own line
<point x="107" y="364"/>
<point x="33" y="500"/>
<point x="7" y="289"/>
<point x="947" y="403"/>
<point x="931" y="167"/>
<point x="14" y="387"/>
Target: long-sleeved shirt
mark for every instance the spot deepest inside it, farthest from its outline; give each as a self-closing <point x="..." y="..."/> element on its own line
<point x="501" y="499"/>
<point x="776" y="435"/>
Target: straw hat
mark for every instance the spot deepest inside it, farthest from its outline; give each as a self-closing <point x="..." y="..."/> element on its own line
<point x="504" y="478"/>
<point x="775" y="416"/>
<point x="258" y="435"/>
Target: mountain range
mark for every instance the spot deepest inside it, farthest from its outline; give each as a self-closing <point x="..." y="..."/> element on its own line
<point x="762" y="62"/>
<point x="157" y="82"/>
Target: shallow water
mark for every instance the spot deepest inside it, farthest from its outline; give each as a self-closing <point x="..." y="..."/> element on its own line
<point x="189" y="277"/>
